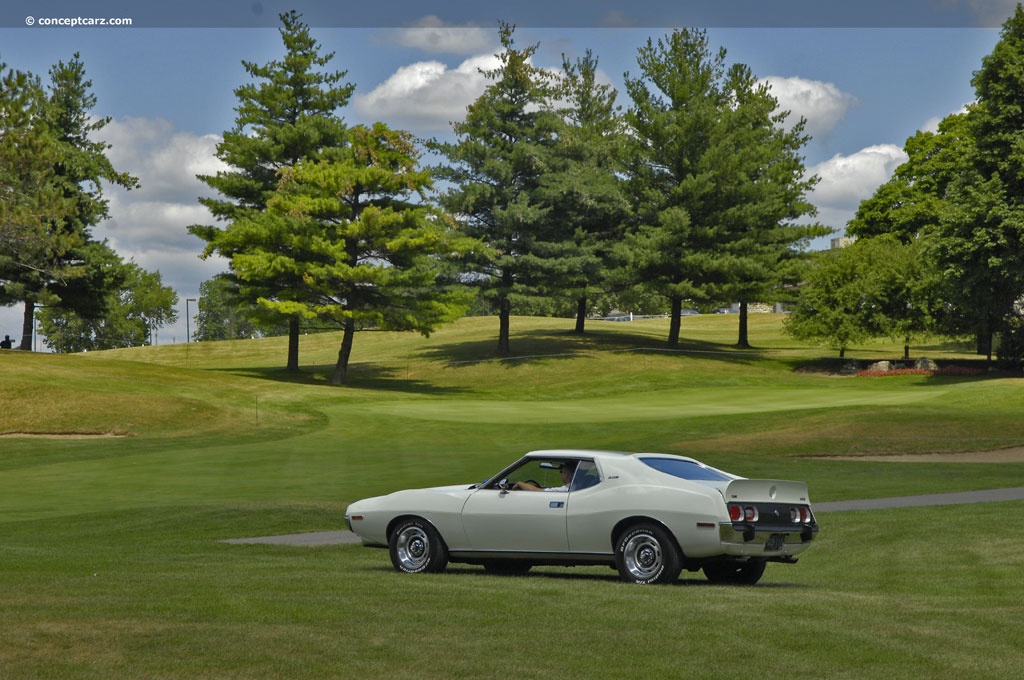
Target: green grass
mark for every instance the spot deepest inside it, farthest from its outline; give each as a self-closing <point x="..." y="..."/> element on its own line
<point x="111" y="564"/>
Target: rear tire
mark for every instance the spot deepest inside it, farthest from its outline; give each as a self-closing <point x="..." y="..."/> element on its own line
<point x="736" y="573"/>
<point x="646" y="553"/>
<point x="416" y="548"/>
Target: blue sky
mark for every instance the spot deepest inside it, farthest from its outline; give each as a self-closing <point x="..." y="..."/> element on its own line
<point x="865" y="75"/>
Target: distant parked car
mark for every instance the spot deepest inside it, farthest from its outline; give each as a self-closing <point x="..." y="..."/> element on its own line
<point x="648" y="515"/>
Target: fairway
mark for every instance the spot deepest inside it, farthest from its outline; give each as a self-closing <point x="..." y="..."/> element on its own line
<point x="663" y="404"/>
<point x="115" y="566"/>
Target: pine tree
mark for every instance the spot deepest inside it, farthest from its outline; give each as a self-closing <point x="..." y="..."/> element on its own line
<point x="714" y="177"/>
<point x="289" y="114"/>
<point x="67" y="169"/>
<point x="585" y="199"/>
<point x="370" y="253"/>
<point x="496" y="168"/>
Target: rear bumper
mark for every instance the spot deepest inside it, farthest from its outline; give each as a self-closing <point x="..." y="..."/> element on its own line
<point x="769" y="541"/>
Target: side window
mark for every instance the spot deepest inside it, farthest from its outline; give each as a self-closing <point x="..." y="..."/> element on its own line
<point x="586" y="476"/>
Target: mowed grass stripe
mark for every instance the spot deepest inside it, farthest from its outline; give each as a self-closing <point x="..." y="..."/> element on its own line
<point x="650" y="406"/>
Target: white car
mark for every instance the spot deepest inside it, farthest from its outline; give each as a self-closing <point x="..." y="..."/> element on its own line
<point x="649" y="515"/>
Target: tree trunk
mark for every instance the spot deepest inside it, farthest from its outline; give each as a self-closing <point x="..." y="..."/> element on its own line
<point x="28" y="320"/>
<point x="673" y="328"/>
<point x="293" y="344"/>
<point x="504" y="314"/>
<point x="581" y="314"/>
<point x="341" y="368"/>
<point x="906" y="350"/>
<point x="744" y="340"/>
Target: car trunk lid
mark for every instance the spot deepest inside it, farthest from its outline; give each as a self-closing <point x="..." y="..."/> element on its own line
<point x="766" y="491"/>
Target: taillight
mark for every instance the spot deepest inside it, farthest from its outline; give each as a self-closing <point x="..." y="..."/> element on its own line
<point x="745" y="513"/>
<point x="801" y="515"/>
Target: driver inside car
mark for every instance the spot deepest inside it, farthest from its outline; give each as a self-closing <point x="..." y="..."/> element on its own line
<point x="568" y="469"/>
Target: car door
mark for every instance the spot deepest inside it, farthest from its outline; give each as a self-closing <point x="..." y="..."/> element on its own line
<point x="522" y="521"/>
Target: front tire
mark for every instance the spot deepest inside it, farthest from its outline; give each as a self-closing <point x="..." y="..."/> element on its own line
<point x="646" y="553"/>
<point x="416" y="548"/>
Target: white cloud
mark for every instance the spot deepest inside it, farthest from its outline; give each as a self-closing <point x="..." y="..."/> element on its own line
<point x="149" y="225"/>
<point x="432" y="35"/>
<point x="823" y="104"/>
<point x="165" y="160"/>
<point x="932" y="124"/>
<point x="426" y="96"/>
<point x="845" y="181"/>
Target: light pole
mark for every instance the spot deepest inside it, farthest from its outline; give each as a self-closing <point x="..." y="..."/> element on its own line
<point x="188" y="333"/>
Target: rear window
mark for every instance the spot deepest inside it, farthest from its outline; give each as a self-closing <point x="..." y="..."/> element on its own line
<point x="685" y="469"/>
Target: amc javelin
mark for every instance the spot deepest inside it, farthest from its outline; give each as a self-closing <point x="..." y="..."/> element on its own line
<point x="648" y="515"/>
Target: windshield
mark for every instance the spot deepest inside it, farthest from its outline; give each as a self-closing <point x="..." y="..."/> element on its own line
<point x="685" y="469"/>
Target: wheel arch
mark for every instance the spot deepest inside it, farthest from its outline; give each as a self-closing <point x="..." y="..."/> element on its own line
<point x="398" y="519"/>
<point x="627" y="523"/>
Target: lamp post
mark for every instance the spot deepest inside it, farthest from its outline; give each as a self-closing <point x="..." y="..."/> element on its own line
<point x="188" y="333"/>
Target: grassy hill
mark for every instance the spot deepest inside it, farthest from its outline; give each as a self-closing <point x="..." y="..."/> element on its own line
<point x="121" y="471"/>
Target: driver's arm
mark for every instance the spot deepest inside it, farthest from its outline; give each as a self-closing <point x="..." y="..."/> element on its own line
<point x="526" y="486"/>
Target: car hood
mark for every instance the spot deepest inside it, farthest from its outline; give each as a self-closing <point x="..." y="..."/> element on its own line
<point x="390" y="500"/>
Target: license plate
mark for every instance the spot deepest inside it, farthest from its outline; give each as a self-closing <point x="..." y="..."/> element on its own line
<point x="775" y="542"/>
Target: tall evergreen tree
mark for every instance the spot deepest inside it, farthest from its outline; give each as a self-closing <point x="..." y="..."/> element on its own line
<point x="80" y="174"/>
<point x="289" y="114"/>
<point x="585" y="199"/>
<point x="496" y="168"/>
<point x="765" y="187"/>
<point x="32" y="201"/>
<point x="715" y="178"/>
<point x="370" y="253"/>
<point x="677" y="104"/>
<point x="58" y="274"/>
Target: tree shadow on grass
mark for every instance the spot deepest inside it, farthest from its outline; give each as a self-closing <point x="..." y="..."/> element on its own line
<point x="547" y="344"/>
<point x="361" y="376"/>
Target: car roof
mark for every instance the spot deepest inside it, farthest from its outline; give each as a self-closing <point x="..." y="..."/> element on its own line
<point x="607" y="455"/>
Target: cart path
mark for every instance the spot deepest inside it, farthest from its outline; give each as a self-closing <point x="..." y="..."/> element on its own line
<point x="318" y="538"/>
<point x="959" y="498"/>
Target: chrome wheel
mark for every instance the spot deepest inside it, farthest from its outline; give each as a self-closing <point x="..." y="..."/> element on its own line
<point x="412" y="543"/>
<point x="647" y="554"/>
<point x="642" y="557"/>
<point x="415" y="547"/>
